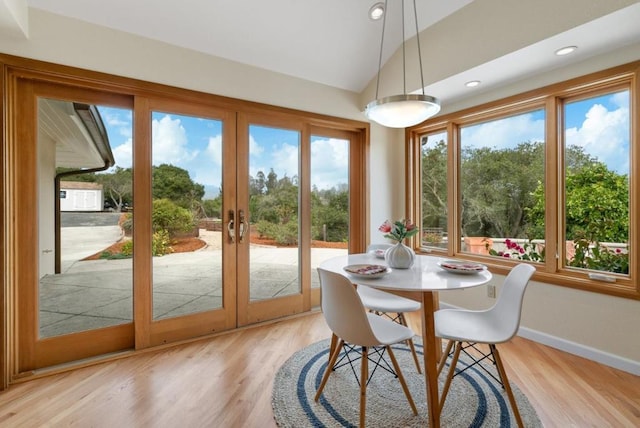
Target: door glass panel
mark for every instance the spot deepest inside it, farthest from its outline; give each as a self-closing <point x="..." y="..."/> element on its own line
<point x="274" y="159"/>
<point x="329" y="200"/>
<point x="596" y="175"/>
<point x="84" y="161"/>
<point x="186" y="189"/>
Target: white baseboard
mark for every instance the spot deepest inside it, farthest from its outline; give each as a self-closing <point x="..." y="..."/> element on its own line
<point x="593" y="354"/>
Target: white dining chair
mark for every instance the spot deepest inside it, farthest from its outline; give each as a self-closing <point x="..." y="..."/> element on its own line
<point x="352" y="325"/>
<point x="466" y="329"/>
<point x="383" y="303"/>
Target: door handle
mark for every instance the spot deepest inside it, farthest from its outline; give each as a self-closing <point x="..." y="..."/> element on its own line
<point x="231" y="227"/>
<point x="244" y="226"/>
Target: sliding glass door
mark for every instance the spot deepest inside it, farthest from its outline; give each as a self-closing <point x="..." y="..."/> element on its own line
<point x="141" y="220"/>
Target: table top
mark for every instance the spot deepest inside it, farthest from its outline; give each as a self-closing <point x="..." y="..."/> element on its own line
<point x="424" y="275"/>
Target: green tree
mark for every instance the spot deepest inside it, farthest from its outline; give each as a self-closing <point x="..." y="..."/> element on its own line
<point x="272" y="181"/>
<point x="596" y="202"/>
<point x="212" y="207"/>
<point x="434" y="185"/>
<point x="497" y="188"/>
<point x="330" y="209"/>
<point x="174" y="183"/>
<point x="597" y="205"/>
<point x="117" y="186"/>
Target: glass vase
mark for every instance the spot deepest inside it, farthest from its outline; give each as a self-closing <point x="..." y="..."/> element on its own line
<point x="399" y="256"/>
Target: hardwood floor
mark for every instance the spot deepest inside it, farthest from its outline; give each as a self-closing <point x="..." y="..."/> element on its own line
<point x="226" y="381"/>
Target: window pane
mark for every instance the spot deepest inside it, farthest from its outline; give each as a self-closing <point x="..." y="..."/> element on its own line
<point x="434" y="189"/>
<point x="502" y="185"/>
<point x="596" y="177"/>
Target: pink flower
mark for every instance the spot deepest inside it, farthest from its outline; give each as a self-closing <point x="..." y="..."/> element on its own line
<point x="618" y="250"/>
<point x="385" y="227"/>
<point x="506" y="255"/>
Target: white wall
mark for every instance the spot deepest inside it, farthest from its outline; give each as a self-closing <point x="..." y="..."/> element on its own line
<point x="600" y="326"/>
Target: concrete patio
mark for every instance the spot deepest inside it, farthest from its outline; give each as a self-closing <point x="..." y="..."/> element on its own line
<point x="99" y="293"/>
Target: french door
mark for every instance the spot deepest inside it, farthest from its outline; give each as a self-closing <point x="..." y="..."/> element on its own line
<point x="141" y="220"/>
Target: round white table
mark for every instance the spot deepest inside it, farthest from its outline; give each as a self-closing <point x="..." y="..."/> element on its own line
<point x="420" y="282"/>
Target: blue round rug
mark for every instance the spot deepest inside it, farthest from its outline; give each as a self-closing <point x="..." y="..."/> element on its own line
<point x="474" y="399"/>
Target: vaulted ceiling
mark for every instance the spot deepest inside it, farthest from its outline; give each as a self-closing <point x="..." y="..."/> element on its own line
<point x="335" y="43"/>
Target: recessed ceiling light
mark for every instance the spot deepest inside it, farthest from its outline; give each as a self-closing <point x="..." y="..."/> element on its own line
<point x="472" y="83"/>
<point x="566" y="50"/>
<point x="376" y="12"/>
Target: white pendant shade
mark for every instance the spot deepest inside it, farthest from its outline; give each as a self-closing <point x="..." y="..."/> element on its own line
<point x="402" y="111"/>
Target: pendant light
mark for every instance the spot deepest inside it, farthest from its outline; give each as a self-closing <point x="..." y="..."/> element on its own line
<point x="402" y="111"/>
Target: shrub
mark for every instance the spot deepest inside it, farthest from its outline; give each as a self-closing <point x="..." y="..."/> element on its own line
<point x="528" y="251"/>
<point x="283" y="234"/>
<point x="127" y="248"/>
<point x="598" y="257"/>
<point x="170" y="217"/>
<point x="266" y="229"/>
<point x="161" y="243"/>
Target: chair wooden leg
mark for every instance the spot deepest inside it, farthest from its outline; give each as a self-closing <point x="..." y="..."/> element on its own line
<point x="405" y="388"/>
<point x="452" y="368"/>
<point x="403" y="321"/>
<point x="505" y="383"/>
<point x="329" y="369"/>
<point x="444" y="356"/>
<point x="364" y="377"/>
<point x="332" y="345"/>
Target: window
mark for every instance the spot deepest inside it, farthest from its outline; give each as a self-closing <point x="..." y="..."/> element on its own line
<point x="545" y="177"/>
<point x="433" y="151"/>
<point x="501" y="178"/>
<point x="596" y="177"/>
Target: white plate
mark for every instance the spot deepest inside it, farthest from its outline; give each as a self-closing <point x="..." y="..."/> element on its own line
<point x="366" y="271"/>
<point x="379" y="253"/>
<point x="461" y="267"/>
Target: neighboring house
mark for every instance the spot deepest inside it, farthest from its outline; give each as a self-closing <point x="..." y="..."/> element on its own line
<point x="81" y="196"/>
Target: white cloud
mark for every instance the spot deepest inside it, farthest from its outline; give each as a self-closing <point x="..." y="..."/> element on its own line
<point x="285" y="161"/>
<point x="214" y="150"/>
<point x="207" y="169"/>
<point x="604" y="134"/>
<point x="123" y="154"/>
<point x="170" y="144"/>
<point x="255" y="149"/>
<point x="504" y="133"/>
<point x="329" y="163"/>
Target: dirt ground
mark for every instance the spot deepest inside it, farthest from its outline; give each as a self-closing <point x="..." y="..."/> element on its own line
<point x="211" y="241"/>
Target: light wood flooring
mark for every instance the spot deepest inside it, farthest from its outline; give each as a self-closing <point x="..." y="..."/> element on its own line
<point x="226" y="381"/>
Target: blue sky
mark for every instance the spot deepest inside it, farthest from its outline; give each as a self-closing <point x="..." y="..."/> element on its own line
<point x="600" y="125"/>
<point x="196" y="145"/>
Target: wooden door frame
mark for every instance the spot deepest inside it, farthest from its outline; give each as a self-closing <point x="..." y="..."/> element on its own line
<point x="14" y="275"/>
<point x="158" y="332"/>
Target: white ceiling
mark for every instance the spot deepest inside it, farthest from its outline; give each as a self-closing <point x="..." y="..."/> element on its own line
<point x="333" y="43"/>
